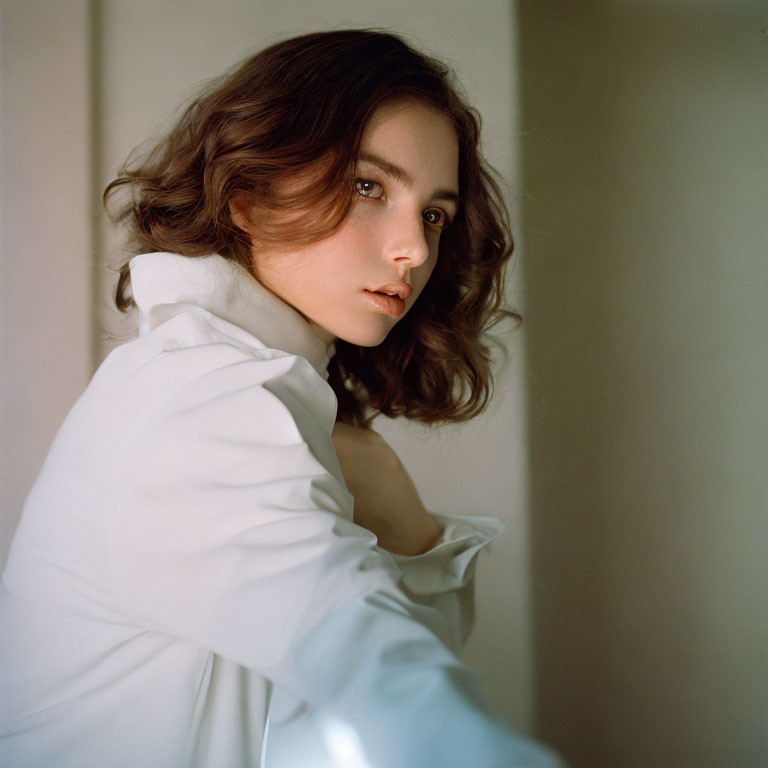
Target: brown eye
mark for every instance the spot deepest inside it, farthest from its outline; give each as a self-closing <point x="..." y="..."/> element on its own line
<point x="368" y="188"/>
<point x="436" y="218"/>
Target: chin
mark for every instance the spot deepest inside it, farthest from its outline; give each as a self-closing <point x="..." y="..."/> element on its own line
<point x="366" y="337"/>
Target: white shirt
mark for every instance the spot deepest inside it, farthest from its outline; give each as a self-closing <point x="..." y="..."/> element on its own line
<point x="187" y="558"/>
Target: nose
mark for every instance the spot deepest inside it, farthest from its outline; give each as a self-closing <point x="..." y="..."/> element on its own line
<point x="407" y="245"/>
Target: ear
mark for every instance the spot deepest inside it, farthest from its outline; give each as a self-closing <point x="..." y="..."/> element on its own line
<point x="239" y="210"/>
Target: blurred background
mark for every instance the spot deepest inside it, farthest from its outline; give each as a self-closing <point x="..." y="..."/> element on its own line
<point x="622" y="615"/>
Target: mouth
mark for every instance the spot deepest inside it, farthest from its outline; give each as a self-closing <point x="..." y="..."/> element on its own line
<point x="388" y="303"/>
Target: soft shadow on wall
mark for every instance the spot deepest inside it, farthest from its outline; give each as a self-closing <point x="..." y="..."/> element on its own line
<point x="645" y="172"/>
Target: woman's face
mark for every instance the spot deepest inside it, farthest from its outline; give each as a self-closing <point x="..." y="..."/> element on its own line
<point x="357" y="283"/>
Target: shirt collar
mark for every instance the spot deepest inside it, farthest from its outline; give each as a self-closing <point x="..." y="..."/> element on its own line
<point x="162" y="280"/>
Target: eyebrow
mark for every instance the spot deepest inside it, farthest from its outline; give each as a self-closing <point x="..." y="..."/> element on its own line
<point x="403" y="177"/>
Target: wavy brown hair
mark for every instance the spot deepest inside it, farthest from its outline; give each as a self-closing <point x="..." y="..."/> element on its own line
<point x="297" y="110"/>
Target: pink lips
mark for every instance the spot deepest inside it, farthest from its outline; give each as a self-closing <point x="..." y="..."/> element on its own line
<point x="390" y="298"/>
<point x="400" y="289"/>
<point x="389" y="305"/>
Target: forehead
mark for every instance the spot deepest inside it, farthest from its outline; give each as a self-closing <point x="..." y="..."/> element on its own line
<point x="419" y="138"/>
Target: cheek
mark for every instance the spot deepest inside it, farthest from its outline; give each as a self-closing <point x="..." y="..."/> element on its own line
<point x="344" y="247"/>
<point x="327" y="262"/>
<point x="279" y="271"/>
<point x="344" y="255"/>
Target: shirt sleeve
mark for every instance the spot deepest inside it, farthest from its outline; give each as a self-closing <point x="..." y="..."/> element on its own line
<point x="444" y="576"/>
<point x="231" y="527"/>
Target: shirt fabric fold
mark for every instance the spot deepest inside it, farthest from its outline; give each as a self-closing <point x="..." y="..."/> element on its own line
<point x="187" y="567"/>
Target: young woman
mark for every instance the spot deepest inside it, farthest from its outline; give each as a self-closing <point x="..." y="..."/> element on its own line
<point x="217" y="539"/>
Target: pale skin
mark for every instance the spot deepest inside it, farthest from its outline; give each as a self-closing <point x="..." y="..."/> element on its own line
<point x="408" y="193"/>
<point x="386" y="500"/>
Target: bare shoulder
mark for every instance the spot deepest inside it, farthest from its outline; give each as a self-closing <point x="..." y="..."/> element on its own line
<point x="362" y="443"/>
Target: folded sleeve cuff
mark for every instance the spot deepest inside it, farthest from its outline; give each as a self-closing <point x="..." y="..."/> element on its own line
<point x="451" y="562"/>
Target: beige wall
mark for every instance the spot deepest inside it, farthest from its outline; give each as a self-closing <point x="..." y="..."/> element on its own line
<point x="645" y="169"/>
<point x="45" y="234"/>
